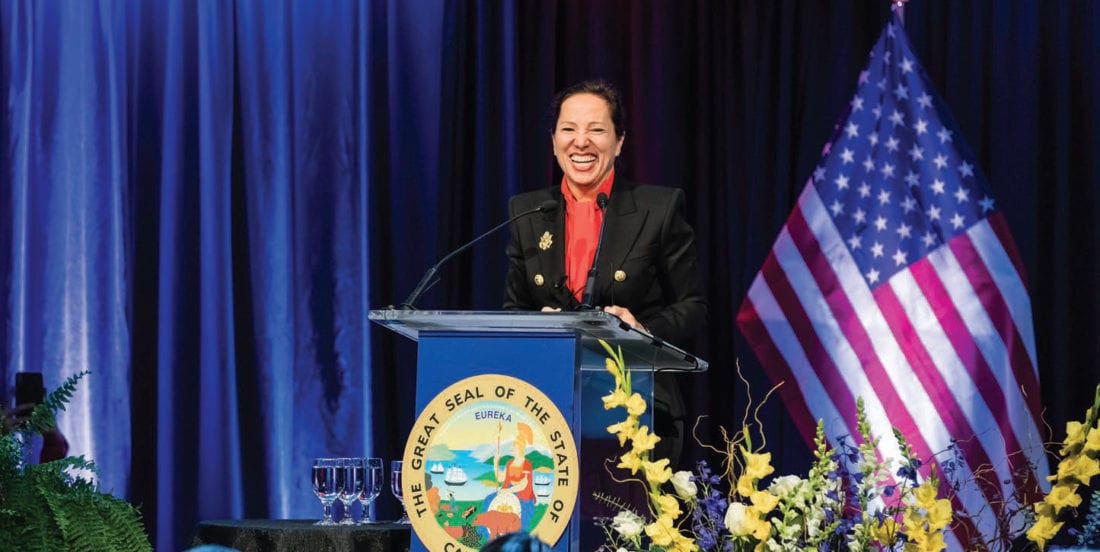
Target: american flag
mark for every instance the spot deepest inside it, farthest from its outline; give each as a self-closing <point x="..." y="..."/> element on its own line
<point x="895" y="279"/>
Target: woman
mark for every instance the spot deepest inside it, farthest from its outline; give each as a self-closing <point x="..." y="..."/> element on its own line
<point x="516" y="492"/>
<point x="647" y="270"/>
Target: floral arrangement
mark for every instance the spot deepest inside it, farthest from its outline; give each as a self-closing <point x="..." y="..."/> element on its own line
<point x="1077" y="465"/>
<point x="849" y="499"/>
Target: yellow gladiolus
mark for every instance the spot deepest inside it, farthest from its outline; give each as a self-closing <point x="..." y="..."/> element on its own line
<point x="660" y="531"/>
<point x="1063" y="495"/>
<point x="630" y="461"/>
<point x="1075" y="435"/>
<point x="1081" y="468"/>
<point x="885" y="532"/>
<point x="657" y="472"/>
<point x="616" y="399"/>
<point x="643" y="440"/>
<point x="763" y="501"/>
<point x="635" y="405"/>
<point x="622" y="430"/>
<point x="1044" y="529"/>
<point x="1092" y="442"/>
<point x="745" y="486"/>
<point x="668" y="505"/>
<point x="757" y="466"/>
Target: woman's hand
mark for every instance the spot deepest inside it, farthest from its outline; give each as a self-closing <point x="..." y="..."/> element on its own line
<point x="550" y="309"/>
<point x="625" y="315"/>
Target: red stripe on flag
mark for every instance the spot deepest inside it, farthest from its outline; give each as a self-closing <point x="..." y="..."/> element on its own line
<point x="1000" y="227"/>
<point x="776" y="367"/>
<point x="947" y="406"/>
<point x="982" y="282"/>
<point x="854" y="332"/>
<point x="985" y="381"/>
<point x="803" y="329"/>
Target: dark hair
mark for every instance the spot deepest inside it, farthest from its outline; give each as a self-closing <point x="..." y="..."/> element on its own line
<point x="597" y="87"/>
<point x="516" y="542"/>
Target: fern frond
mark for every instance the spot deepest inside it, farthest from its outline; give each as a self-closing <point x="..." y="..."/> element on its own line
<point x="42" y="417"/>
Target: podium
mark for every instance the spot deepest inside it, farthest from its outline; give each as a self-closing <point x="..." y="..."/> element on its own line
<point x="556" y="353"/>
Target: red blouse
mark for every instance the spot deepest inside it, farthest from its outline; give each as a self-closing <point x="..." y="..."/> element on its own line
<point x="582" y="229"/>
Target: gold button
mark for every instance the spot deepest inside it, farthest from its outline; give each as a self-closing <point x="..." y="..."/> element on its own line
<point x="539" y="280"/>
<point x="620" y="276"/>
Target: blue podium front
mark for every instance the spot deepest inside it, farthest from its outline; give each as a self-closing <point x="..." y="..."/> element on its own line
<point x="505" y="402"/>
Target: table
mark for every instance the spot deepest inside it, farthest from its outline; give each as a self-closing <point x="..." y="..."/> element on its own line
<point x="301" y="534"/>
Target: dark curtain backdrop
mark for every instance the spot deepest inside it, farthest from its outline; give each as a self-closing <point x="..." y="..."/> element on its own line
<point x="202" y="200"/>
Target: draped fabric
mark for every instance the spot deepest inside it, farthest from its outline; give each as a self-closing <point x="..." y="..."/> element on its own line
<point x="201" y="200"/>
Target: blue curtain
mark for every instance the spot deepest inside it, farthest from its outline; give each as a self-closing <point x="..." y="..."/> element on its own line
<point x="186" y="213"/>
<point x="200" y="201"/>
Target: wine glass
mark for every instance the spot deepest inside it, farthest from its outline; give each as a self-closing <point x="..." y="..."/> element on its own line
<point x="395" y="488"/>
<point x="353" y="485"/>
<point x="373" y="481"/>
<point x="327" y="484"/>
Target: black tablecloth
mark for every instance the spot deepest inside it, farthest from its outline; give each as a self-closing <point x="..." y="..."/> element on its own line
<point x="294" y="534"/>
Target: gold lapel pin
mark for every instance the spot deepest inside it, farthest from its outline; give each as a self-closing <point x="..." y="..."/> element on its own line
<point x="620" y="276"/>
<point x="546" y="241"/>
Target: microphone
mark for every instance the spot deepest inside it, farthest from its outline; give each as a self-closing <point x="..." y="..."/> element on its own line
<point x="429" y="278"/>
<point x="590" y="284"/>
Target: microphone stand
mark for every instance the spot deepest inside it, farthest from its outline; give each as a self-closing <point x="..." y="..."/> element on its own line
<point x="590" y="284"/>
<point x="429" y="279"/>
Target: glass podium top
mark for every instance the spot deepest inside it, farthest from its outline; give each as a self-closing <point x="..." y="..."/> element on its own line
<point x="640" y="350"/>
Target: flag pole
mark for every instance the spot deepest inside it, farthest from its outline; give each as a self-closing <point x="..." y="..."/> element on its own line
<point x="899" y="6"/>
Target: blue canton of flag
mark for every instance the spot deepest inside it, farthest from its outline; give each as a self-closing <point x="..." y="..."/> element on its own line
<point x="894" y="179"/>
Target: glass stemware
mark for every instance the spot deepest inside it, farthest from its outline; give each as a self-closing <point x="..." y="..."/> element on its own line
<point x="373" y="482"/>
<point x="352" y="469"/>
<point x="395" y="488"/>
<point x="327" y="484"/>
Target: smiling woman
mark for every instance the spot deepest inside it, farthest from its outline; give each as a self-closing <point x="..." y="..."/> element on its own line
<point x="646" y="272"/>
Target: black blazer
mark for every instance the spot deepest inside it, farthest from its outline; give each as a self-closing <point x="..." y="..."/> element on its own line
<point x="646" y="241"/>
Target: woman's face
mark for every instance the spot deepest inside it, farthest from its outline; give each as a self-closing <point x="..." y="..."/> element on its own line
<point x="584" y="141"/>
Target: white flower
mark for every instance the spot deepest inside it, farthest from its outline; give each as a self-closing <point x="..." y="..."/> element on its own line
<point x="683" y="484"/>
<point x="735" y="520"/>
<point x="784" y="485"/>
<point x="628" y="524"/>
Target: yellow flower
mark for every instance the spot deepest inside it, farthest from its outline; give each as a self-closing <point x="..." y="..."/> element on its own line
<point x="622" y="430"/>
<point x="635" y="405"/>
<point x="680" y="543"/>
<point x="939" y="514"/>
<point x="745" y="486"/>
<point x="925" y="495"/>
<point x="614" y="369"/>
<point x="657" y="472"/>
<point x="660" y="531"/>
<point x="1064" y="494"/>
<point x="1044" y="529"/>
<point x="757" y="466"/>
<point x="885" y="532"/>
<point x="1075" y="435"/>
<point x="1092" y="442"/>
<point x="913" y="522"/>
<point x="926" y="543"/>
<point x="764" y="501"/>
<point x="643" y="440"/>
<point x="1081" y="468"/>
<point x="616" y="399"/>
<point x="630" y="461"/>
<point x="668" y="506"/>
